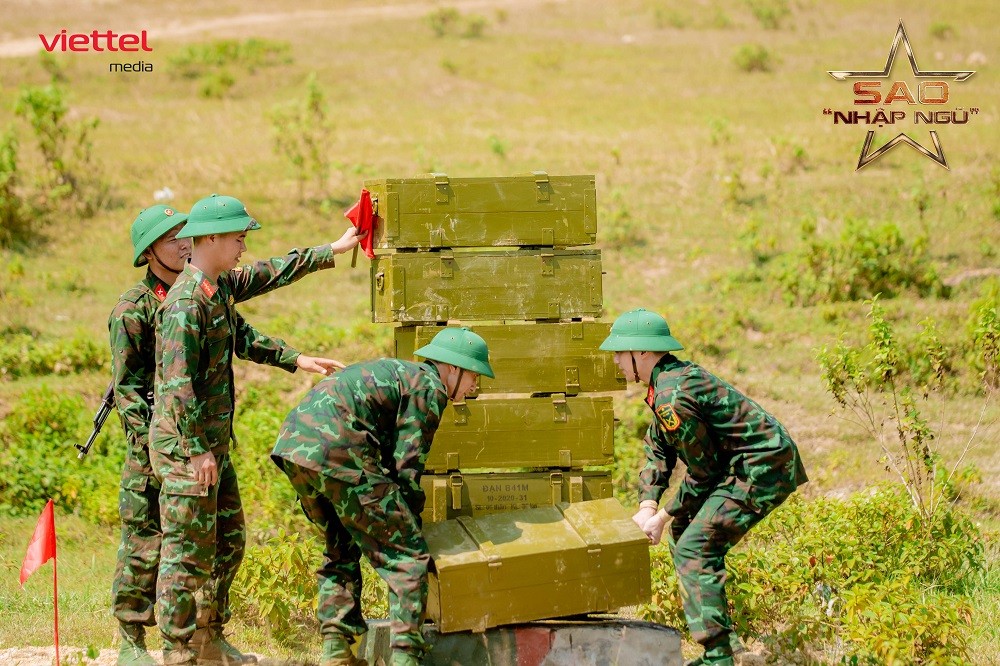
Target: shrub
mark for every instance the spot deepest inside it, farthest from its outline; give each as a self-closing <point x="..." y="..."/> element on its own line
<point x="71" y="174"/>
<point x="866" y="580"/>
<point x="753" y="58"/>
<point x="864" y="261"/>
<point x="38" y="458"/>
<point x="23" y="355"/>
<point x="195" y="60"/>
<point x="302" y="134"/>
<point x="619" y="229"/>
<point x="769" y="13"/>
<point x="942" y="30"/>
<point x="275" y="587"/>
<point x="449" y="21"/>
<point x="18" y="226"/>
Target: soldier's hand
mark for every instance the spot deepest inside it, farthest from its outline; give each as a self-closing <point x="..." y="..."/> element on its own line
<point x="644" y="514"/>
<point x="653" y="527"/>
<point x="206" y="471"/>
<point x="321" y="366"/>
<point x="347" y="242"/>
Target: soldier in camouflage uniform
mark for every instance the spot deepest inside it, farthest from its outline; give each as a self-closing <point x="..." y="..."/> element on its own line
<point x="198" y="332"/>
<point x="131" y="326"/>
<point x="741" y="464"/>
<point x="354" y="450"/>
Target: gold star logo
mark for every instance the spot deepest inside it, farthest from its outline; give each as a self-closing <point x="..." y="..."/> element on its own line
<point x="901" y="138"/>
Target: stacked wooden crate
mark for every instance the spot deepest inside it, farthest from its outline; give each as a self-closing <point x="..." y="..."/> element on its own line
<point x="509" y="522"/>
<point x="508" y="258"/>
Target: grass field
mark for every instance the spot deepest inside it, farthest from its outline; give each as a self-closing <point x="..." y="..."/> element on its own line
<point x="689" y="150"/>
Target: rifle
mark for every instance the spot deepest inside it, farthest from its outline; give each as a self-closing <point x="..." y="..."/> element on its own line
<point x="107" y="404"/>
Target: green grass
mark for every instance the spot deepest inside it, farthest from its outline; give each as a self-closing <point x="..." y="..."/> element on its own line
<point x="563" y="91"/>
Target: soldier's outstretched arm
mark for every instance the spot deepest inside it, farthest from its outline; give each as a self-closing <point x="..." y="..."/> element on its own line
<point x="260" y="277"/>
<point x="128" y="369"/>
<point x="252" y="345"/>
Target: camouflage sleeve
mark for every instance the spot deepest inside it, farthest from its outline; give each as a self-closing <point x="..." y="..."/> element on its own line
<point x="684" y="429"/>
<point x="661" y="458"/>
<point x="416" y="422"/>
<point x="263" y="276"/>
<point x="181" y="330"/>
<point x="128" y="371"/>
<point x="252" y="345"/>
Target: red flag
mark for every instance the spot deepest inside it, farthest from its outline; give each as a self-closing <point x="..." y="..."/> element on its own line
<point x="42" y="546"/>
<point x="362" y="216"/>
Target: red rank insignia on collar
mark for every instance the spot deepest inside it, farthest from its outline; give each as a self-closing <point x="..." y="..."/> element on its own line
<point x="160" y="292"/>
<point x="207" y="287"/>
<point x="649" y="395"/>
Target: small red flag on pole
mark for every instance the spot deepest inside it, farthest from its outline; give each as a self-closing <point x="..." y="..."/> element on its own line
<point x="362" y="216"/>
<point x="41" y="549"/>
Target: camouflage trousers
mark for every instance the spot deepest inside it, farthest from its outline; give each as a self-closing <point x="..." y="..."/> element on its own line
<point x="699" y="545"/>
<point x="370" y="518"/>
<point x="133" y="591"/>
<point x="204" y="537"/>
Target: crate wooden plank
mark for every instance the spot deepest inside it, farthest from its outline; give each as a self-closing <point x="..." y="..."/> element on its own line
<point x="552" y="431"/>
<point x="537" y="563"/>
<point x="437" y="211"/>
<point x="535" y="357"/>
<point x="422" y="287"/>
<point x="481" y="494"/>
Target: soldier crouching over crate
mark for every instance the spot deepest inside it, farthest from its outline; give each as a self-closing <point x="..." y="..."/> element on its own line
<point x="354" y="450"/>
<point x="741" y="464"/>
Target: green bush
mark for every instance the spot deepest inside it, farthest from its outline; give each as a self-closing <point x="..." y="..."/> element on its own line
<point x="71" y="176"/>
<point x="769" y="13"/>
<point x="39" y="460"/>
<point x="18" y="225"/>
<point x="23" y="355"/>
<point x="275" y="587"/>
<point x="445" y="21"/>
<point x="196" y="60"/>
<point x="753" y="58"/>
<point x="302" y="135"/>
<point x="866" y="580"/>
<point x="863" y="261"/>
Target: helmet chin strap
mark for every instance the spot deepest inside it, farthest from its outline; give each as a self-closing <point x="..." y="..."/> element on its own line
<point x="458" y="381"/>
<point x="169" y="269"/>
<point x="635" y="369"/>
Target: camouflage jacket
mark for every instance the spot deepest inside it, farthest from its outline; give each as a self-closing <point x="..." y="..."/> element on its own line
<point x="370" y="422"/>
<point x="197" y="332"/>
<point x="719" y="434"/>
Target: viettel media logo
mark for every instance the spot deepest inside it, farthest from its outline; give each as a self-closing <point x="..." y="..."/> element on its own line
<point x="96" y="40"/>
<point x="932" y="93"/>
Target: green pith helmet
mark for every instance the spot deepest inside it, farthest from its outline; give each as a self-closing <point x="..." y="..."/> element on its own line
<point x="459" y="347"/>
<point x="640" y="330"/>
<point x="150" y="226"/>
<point x="217" y="214"/>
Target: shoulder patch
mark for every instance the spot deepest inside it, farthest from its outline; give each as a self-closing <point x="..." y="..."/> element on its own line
<point x="668" y="417"/>
<point x="207" y="287"/>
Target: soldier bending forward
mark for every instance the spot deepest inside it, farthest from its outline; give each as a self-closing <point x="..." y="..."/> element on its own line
<point x="741" y="464"/>
<point x="354" y="450"/>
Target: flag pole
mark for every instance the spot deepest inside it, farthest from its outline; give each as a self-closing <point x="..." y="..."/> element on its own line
<point x="55" y="590"/>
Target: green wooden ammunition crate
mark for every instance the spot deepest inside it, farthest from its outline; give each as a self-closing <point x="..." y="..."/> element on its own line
<point x="527" y="565"/>
<point x="553" y="431"/>
<point x="437" y="211"/>
<point x="453" y="495"/>
<point x="492" y="285"/>
<point x="534" y="357"/>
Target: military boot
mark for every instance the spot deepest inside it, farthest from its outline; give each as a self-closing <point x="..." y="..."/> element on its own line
<point x="182" y="656"/>
<point x="213" y="649"/>
<point x="132" y="651"/>
<point x="337" y="652"/>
